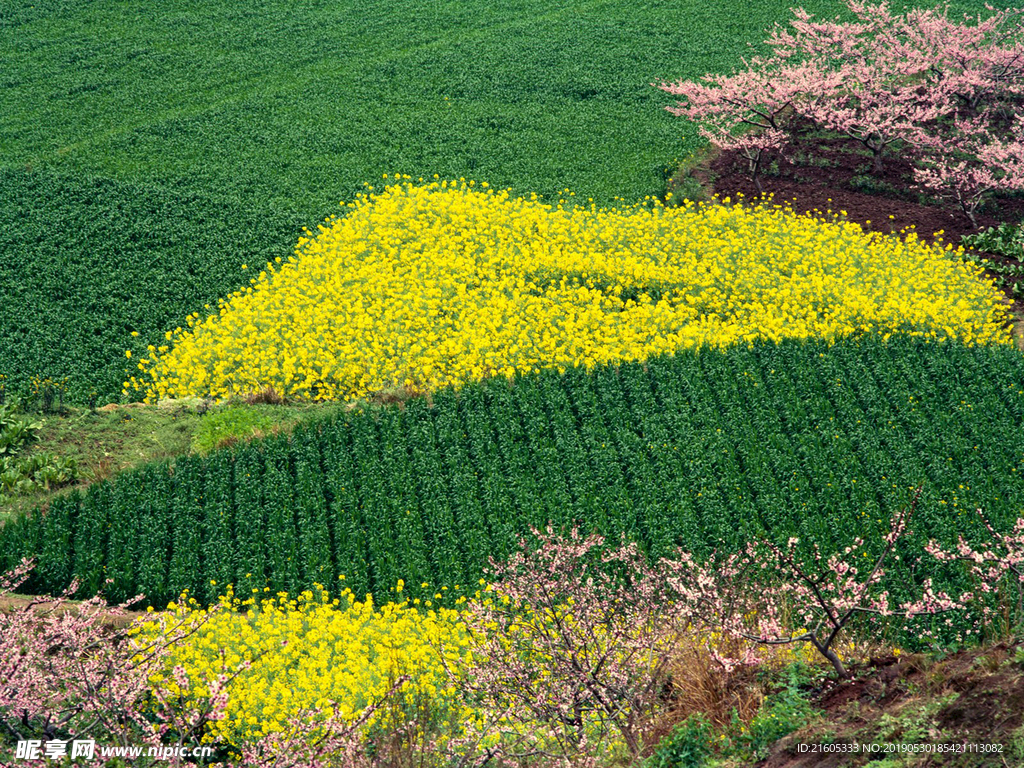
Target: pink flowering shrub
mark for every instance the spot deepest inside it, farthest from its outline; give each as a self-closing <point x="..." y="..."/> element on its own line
<point x="573" y="646"/>
<point x="950" y="92"/>
<point x="980" y="65"/>
<point x="575" y="638"/>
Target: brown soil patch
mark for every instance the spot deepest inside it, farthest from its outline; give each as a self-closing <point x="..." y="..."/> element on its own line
<point x="975" y="696"/>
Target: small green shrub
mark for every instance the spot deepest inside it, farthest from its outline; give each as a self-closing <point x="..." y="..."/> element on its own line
<point x="38" y="471"/>
<point x="687" y="188"/>
<point x="15" y="432"/>
<point x="783" y="712"/>
<point x="914" y="724"/>
<point x="1018" y="657"/>
<point x="1006" y="240"/>
<point x="229" y="425"/>
<point x="688" y="746"/>
<point x="693" y="742"/>
<point x="1017" y="743"/>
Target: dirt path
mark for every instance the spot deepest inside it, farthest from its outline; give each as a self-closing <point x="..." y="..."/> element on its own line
<point x="112" y="619"/>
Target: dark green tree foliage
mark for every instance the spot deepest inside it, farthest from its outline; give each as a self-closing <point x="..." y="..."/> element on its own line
<point x="702" y="449"/>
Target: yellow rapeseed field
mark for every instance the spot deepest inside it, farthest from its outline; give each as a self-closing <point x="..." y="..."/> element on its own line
<point x="431" y="284"/>
<point x="314" y="652"/>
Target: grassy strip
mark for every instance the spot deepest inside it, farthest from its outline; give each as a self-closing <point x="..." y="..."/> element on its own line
<point x="110" y="440"/>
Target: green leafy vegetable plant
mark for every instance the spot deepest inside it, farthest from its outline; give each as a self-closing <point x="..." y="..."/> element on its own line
<point x="24" y="474"/>
<point x="688" y="746"/>
<point x="1006" y="240"/>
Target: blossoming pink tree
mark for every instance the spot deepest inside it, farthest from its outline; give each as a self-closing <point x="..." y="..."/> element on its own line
<point x="912" y="77"/>
<point x="334" y="744"/>
<point x="571" y="646"/>
<point x="748" y="111"/>
<point x="871" y="83"/>
<point x="749" y="594"/>
<point x="969" y="163"/>
<point x="993" y="564"/>
<point x="880" y="79"/>
<point x="984" y="60"/>
<point x="68" y="671"/>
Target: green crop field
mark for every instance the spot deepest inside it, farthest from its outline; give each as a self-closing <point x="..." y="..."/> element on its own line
<point x="148" y="151"/>
<point x="697" y="449"/>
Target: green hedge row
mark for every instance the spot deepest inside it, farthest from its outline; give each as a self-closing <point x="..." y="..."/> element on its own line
<point x="699" y="449"/>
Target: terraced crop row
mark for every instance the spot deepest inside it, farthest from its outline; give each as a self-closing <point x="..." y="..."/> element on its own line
<point x="695" y="450"/>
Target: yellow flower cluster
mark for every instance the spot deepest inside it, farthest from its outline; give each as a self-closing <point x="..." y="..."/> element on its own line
<point x="431" y="284"/>
<point x="314" y="652"/>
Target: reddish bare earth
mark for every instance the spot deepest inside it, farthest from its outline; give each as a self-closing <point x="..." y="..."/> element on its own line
<point x="975" y="697"/>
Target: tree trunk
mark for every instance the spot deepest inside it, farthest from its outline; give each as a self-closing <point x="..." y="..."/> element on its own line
<point x="836" y="663"/>
<point x="969" y="212"/>
<point x="828" y="653"/>
<point x="755" y="167"/>
<point x="876" y="162"/>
